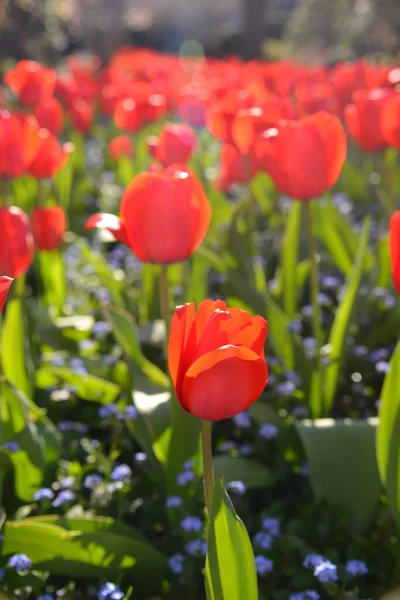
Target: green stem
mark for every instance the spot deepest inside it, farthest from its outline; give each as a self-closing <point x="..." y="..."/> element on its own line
<point x="207" y="463"/>
<point x="185" y="280"/>
<point x="316" y="321"/>
<point x="164" y="304"/>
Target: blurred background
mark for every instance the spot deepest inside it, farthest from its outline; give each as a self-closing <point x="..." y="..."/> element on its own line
<point x="310" y="29"/>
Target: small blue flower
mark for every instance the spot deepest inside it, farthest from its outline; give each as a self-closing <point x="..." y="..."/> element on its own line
<point x="45" y="597"/>
<point x="268" y="431"/>
<point x="174" y="502"/>
<point x="67" y="482"/>
<point x="187" y="465"/>
<point x="185" y="478"/>
<point x="43" y="494"/>
<point x="66" y="426"/>
<point x="263" y="540"/>
<point x="196" y="547"/>
<point x="110" y="591"/>
<point x="242" y="420"/>
<point x="263" y="565"/>
<point x="286" y="388"/>
<point x="293" y="377"/>
<point x="64" y="497"/>
<point x="192" y="524"/>
<point x="176" y="563"/>
<point x="360" y="351"/>
<point x="379" y="354"/>
<point x="131" y="412"/>
<point x="307" y="595"/>
<point x="237" y="487"/>
<point x="326" y="572"/>
<point x="11" y="447"/>
<point x="271" y="526"/>
<point x="382" y="366"/>
<point x="140" y="457"/>
<point x="295" y="326"/>
<point x="356" y="567"/>
<point x="313" y="560"/>
<point x="19" y="562"/>
<point x="227" y="446"/>
<point x="108" y="411"/>
<point x="91" y="481"/>
<point x="246" y="449"/>
<point x="307" y="311"/>
<point x="330" y="282"/>
<point x="121" y="473"/>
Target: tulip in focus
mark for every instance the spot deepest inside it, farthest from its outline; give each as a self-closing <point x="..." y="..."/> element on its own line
<point x="48" y="227"/>
<point x="119" y="146"/>
<point x="305" y="157"/>
<point x="363" y="118"/>
<point x="31" y="82"/>
<point x="16" y="242"/>
<point x="216" y="359"/>
<point x="5" y="283"/>
<point x="394" y="244"/>
<point x="175" y="144"/>
<point x="164" y="216"/>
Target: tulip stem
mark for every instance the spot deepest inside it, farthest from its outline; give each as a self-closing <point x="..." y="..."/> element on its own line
<point x="207" y="463"/>
<point x="164" y="305"/>
<point x="316" y="320"/>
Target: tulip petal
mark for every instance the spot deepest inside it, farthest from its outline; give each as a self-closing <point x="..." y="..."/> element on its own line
<point x="5" y="283"/>
<point x="180" y="328"/>
<point x="224" y="382"/>
<point x="395" y="248"/>
<point x="110" y="222"/>
<point x="252" y="335"/>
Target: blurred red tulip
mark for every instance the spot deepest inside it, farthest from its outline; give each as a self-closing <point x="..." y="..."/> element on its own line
<point x="48" y="227"/>
<point x="390" y="121"/>
<point x="49" y="114"/>
<point x="50" y="158"/>
<point x="363" y="118"/>
<point x="81" y="114"/>
<point x="305" y="157"/>
<point x="234" y="167"/>
<point x="126" y="116"/>
<point x="221" y="116"/>
<point x="250" y="123"/>
<point x="5" y="283"/>
<point x="216" y="359"/>
<point x="31" y="82"/>
<point x="175" y="144"/>
<point x="19" y="143"/>
<point x="121" y="145"/>
<point x="394" y="242"/>
<point x="164" y="216"/>
<point x="16" y="243"/>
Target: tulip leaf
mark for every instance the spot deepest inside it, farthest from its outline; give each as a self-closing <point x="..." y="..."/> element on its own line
<point x="342" y="463"/>
<point x="13" y="411"/>
<point x="252" y="473"/>
<point x="383" y="262"/>
<point x="340" y="326"/>
<point x="88" y="387"/>
<point x="97" y="553"/>
<point x="289" y="255"/>
<point x="230" y="566"/>
<point x="102" y="269"/>
<point x="53" y="278"/>
<point x="14" y="341"/>
<point x="388" y="436"/>
<point x="126" y="334"/>
<point x="328" y="233"/>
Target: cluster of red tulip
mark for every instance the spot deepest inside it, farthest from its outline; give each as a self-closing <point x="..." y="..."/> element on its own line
<point x="284" y="118"/>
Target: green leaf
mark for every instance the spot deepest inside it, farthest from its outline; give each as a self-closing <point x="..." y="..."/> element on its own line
<point x="230" y="567"/>
<point x="388" y="436"/>
<point x="383" y="262"/>
<point x="289" y="256"/>
<point x="53" y="278"/>
<point x="342" y="463"/>
<point x="340" y="326"/>
<point x="252" y="473"/>
<point x="125" y="331"/>
<point x="13" y="343"/>
<point x="278" y="334"/>
<point x="88" y="387"/>
<point x="98" y="553"/>
<point x="329" y="234"/>
<point x="103" y="270"/>
<point x="13" y="411"/>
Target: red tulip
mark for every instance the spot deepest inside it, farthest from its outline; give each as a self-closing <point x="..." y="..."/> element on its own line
<point x="19" y="143"/>
<point x="221" y="116"/>
<point x="235" y="168"/>
<point x="250" y="123"/>
<point x="164" y="216"/>
<point x="126" y="116"/>
<point x="390" y="121"/>
<point x="5" y="283"/>
<point x="363" y="118"/>
<point x="48" y="227"/>
<point x="31" y="81"/>
<point x="121" y="145"/>
<point x="16" y="243"/>
<point x="394" y="242"/>
<point x="175" y="144"/>
<point x="50" y="158"/>
<point x="305" y="157"/>
<point x="216" y="359"/>
<point x="81" y="114"/>
<point x="49" y="115"/>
